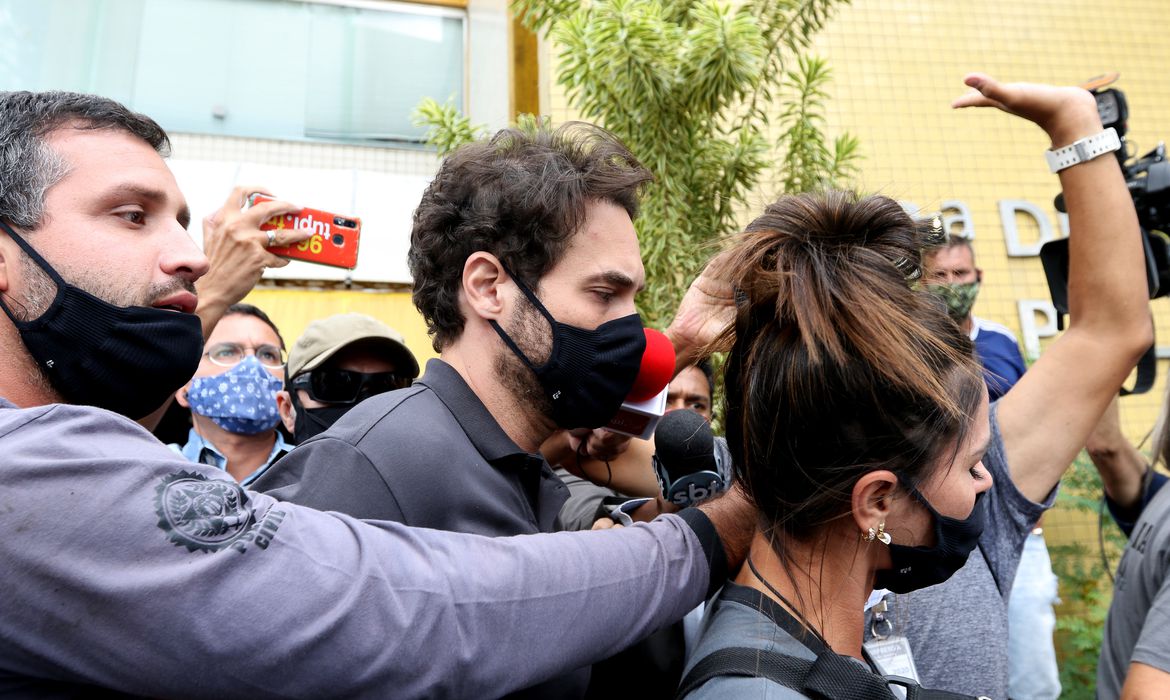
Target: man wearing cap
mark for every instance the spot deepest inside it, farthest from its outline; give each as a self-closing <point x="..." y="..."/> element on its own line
<point x="338" y="362"/>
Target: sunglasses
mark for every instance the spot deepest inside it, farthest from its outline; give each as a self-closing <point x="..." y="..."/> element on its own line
<point x="344" y="386"/>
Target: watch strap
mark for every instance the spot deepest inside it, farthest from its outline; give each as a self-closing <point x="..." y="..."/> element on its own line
<point x="1083" y="150"/>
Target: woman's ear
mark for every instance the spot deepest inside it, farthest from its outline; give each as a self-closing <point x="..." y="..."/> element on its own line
<point x="872" y="499"/>
<point x="483" y="275"/>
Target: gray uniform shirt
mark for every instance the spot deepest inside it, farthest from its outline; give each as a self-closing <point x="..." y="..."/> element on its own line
<point x="958" y="629"/>
<point x="127" y="567"/>
<point x="1138" y="626"/>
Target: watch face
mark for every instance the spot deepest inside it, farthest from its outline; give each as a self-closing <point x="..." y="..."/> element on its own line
<point x="1107" y="107"/>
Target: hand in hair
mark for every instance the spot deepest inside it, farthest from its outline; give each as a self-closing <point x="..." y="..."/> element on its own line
<point x="707" y="309"/>
<point x="1064" y="113"/>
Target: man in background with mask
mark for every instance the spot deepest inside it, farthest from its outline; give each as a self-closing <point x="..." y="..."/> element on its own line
<point x="232" y="397"/>
<point x="525" y="266"/>
<point x="951" y="274"/>
<point x="338" y="362"/>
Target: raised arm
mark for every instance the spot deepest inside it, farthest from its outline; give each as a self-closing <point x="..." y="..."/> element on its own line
<point x="238" y="251"/>
<point x="1049" y="413"/>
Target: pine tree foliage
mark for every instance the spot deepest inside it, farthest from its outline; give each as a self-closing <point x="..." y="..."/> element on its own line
<point x="709" y="97"/>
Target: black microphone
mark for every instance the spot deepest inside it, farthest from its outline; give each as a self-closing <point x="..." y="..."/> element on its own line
<point x="685" y="460"/>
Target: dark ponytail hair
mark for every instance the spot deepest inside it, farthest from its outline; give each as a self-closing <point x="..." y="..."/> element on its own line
<point x="839" y="365"/>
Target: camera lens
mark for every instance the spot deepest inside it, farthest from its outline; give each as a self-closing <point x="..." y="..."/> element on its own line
<point x="338" y="240"/>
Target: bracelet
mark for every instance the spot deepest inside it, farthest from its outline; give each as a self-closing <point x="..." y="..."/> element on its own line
<point x="1083" y="150"/>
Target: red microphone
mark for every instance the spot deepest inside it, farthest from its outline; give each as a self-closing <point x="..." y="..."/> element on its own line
<point x="646" y="402"/>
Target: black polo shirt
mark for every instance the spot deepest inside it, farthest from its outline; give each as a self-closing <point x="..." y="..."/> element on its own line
<point x="428" y="456"/>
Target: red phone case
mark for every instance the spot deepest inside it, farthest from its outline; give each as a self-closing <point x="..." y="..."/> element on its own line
<point x="334" y="241"/>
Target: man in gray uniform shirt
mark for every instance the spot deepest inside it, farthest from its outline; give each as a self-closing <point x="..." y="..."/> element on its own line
<point x="128" y="568"/>
<point x="1135" y="647"/>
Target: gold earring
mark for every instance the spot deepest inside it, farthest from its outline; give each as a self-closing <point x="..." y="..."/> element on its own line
<point x="882" y="535"/>
<point x="868" y="536"/>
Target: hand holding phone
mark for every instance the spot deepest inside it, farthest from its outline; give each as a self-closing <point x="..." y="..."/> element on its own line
<point x="334" y="241"/>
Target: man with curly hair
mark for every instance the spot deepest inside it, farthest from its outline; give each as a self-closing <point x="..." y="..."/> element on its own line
<point x="525" y="265"/>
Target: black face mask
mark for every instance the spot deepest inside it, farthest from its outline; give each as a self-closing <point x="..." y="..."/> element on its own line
<point x="124" y="359"/>
<point x="588" y="373"/>
<point x="920" y="567"/>
<point x="310" y="422"/>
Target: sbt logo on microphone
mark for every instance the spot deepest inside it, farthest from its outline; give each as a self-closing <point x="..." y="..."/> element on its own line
<point x="694" y="488"/>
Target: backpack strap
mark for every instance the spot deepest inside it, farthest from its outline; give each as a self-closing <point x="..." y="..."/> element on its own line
<point x="788" y="671"/>
<point x="830" y="677"/>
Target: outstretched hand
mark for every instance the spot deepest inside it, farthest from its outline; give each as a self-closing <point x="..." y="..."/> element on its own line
<point x="1064" y="113"/>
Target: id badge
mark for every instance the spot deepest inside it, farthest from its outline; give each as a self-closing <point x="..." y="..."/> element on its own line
<point x="891" y="656"/>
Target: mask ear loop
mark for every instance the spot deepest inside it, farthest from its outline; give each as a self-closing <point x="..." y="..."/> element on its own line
<point x="539" y="307"/>
<point x="41" y="263"/>
<point x="529" y="294"/>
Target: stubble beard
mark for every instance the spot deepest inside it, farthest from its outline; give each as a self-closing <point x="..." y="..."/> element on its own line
<point x="532" y="334"/>
<point x="40" y="291"/>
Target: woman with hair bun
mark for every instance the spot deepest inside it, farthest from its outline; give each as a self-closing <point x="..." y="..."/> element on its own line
<point x="859" y="424"/>
<point x="856" y="414"/>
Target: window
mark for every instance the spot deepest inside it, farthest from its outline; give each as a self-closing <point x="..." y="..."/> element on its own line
<point x="287" y="69"/>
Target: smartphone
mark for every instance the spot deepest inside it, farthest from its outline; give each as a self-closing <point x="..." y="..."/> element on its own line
<point x="334" y="241"/>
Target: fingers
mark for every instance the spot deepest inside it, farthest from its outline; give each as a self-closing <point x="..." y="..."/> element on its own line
<point x="605" y="524"/>
<point x="238" y="197"/>
<point x="985" y="92"/>
<point x="285" y="237"/>
<point x="603" y="444"/>
<point x="263" y="211"/>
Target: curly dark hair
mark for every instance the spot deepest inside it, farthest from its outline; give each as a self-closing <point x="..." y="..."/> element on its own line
<point x="520" y="196"/>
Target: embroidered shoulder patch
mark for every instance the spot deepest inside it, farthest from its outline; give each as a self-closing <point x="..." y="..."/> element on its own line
<point x="202" y="514"/>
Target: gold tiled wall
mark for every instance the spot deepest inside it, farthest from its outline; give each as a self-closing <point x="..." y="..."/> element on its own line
<point x="897" y="64"/>
<point x="292" y="309"/>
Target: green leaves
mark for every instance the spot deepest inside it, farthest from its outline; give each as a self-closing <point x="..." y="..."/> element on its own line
<point x="809" y="163"/>
<point x="1084" y="570"/>
<point x="448" y="129"/>
<point x="691" y="88"/>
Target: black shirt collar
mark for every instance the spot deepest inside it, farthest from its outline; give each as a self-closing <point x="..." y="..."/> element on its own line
<point x="481" y="427"/>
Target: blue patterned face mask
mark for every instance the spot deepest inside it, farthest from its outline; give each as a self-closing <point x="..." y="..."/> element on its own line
<point x="242" y="400"/>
